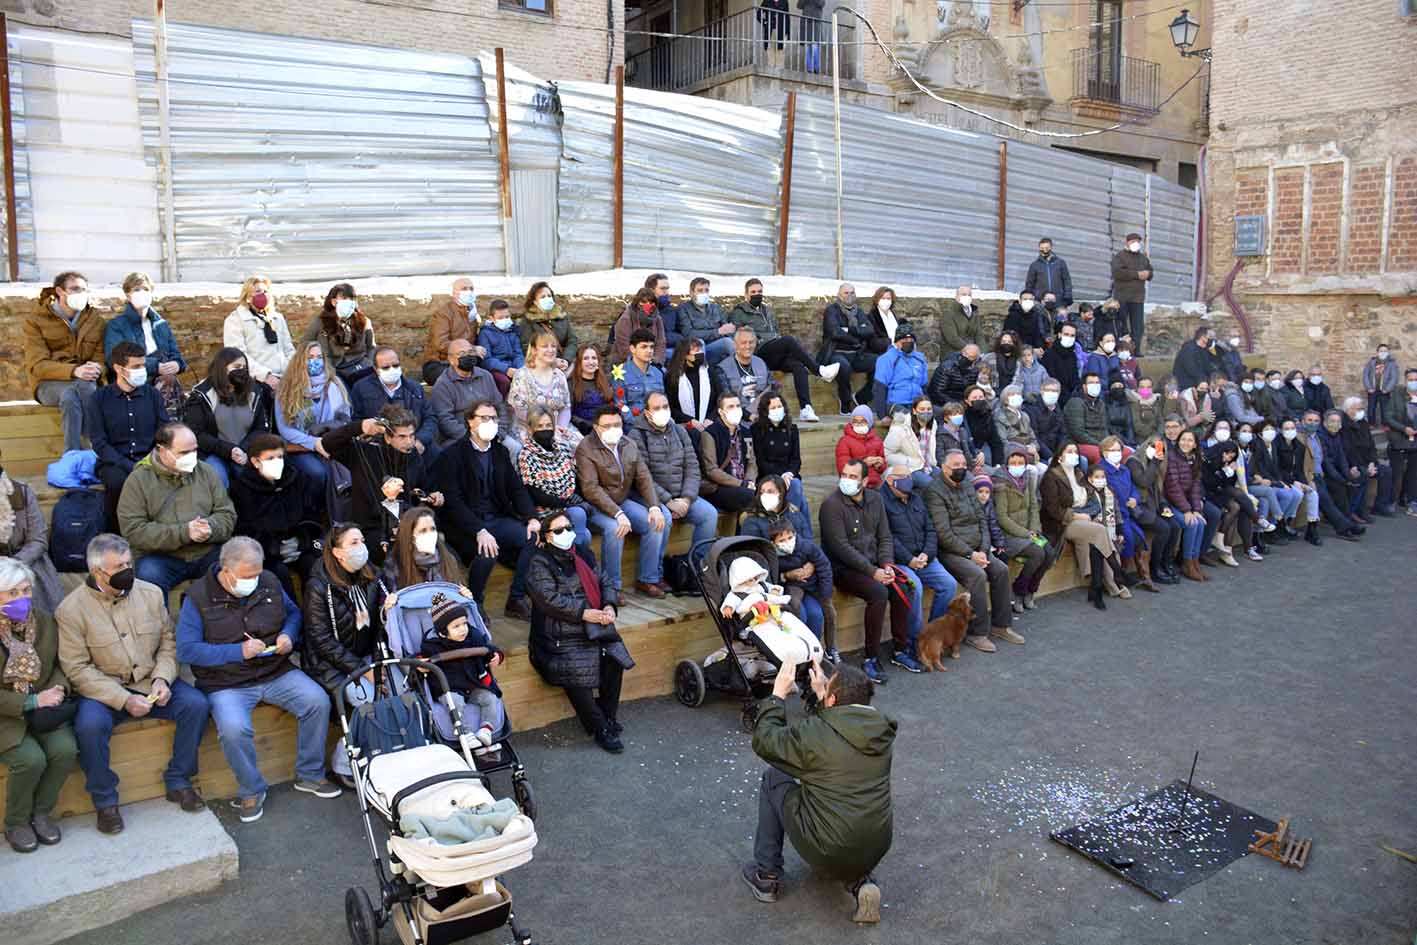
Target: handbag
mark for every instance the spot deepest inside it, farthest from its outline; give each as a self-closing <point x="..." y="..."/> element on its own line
<point x="679" y="575"/>
<point x="52" y="717"/>
<point x="393" y="723"/>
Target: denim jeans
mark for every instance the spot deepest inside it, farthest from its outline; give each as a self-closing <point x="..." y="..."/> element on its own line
<point x="704" y="517"/>
<point x="222" y="468"/>
<point x="1192" y="537"/>
<point x="316" y="469"/>
<point x="1382" y="491"/>
<point x="772" y="804"/>
<point x="652" y="542"/>
<point x="167" y="572"/>
<point x="93" y="727"/>
<point x="935" y="577"/>
<point x="294" y="692"/>
<point x="797" y="495"/>
<point x="812" y="615"/>
<point x="1213" y="514"/>
<point x="718" y="349"/>
<point x="70" y="397"/>
<point x="513" y="550"/>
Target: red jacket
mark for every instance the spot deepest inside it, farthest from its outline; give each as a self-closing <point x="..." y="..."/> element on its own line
<point x="851" y="446"/>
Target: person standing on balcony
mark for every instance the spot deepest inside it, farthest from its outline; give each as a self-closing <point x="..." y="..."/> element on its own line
<point x="812" y="11"/>
<point x="1131" y="271"/>
<point x="776" y="17"/>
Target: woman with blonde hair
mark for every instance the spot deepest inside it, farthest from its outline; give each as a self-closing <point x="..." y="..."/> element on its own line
<point x="541" y="384"/>
<point x="256" y="328"/>
<point x="310" y="402"/>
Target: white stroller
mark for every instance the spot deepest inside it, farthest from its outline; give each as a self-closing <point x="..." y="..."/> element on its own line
<point x="434" y="893"/>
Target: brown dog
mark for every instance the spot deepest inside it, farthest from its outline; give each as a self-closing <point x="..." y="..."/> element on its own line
<point x="945" y="632"/>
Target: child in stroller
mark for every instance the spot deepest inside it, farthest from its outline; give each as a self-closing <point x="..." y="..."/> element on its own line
<point x="807" y="578"/>
<point x="779" y="635"/>
<point x="469" y="677"/>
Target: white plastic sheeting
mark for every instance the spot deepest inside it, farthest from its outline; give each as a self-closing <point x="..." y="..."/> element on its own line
<point x="1067" y="197"/>
<point x="919" y="200"/>
<point x="77" y="135"/>
<point x="307" y="159"/>
<point x="1171" y="242"/>
<point x="534" y="154"/>
<point x="701" y="182"/>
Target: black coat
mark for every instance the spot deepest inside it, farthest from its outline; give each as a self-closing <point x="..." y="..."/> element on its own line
<point x="844" y="331"/>
<point x="1193" y="364"/>
<point x="271" y="512"/>
<point x="951" y="377"/>
<point x="1033" y="327"/>
<point x="1048" y="425"/>
<point x="370" y="461"/>
<point x="984" y="431"/>
<point x="1358" y="442"/>
<point x="200" y="416"/>
<point x="777" y="447"/>
<point x="456" y="475"/>
<point x="558" y="646"/>
<point x="1062" y="365"/>
<point x="1119" y="419"/>
<point x="332" y="648"/>
<point x="1050" y="275"/>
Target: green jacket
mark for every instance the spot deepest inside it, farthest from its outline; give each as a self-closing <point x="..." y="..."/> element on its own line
<point x="1085" y="419"/>
<point x="839" y="817"/>
<point x="1146" y="418"/>
<point x="559" y="323"/>
<point x="13" y="724"/>
<point x="1017" y="509"/>
<point x="761" y="320"/>
<point x="157" y="505"/>
<point x="960" y="521"/>
<point x="958" y="329"/>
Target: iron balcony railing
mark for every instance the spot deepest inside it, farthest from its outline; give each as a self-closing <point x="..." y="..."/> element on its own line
<point x="1100" y="75"/>
<point x="759" y="40"/>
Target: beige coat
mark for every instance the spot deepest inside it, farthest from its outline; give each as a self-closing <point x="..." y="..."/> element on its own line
<point x="111" y="648"/>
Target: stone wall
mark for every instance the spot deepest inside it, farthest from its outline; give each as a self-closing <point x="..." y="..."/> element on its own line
<point x="401" y="320"/>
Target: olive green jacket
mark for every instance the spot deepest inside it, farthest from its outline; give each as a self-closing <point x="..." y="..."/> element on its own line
<point x="13" y="723"/>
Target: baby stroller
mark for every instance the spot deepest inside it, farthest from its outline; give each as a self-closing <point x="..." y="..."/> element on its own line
<point x="423" y="791"/>
<point x="747" y="662"/>
<point x="405" y="627"/>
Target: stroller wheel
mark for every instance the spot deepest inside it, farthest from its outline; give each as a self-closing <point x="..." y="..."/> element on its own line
<point x="526" y="797"/>
<point x="689" y="683"/>
<point x="359" y="917"/>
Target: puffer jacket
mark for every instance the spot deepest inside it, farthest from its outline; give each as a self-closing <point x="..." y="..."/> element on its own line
<point x="903" y="447"/>
<point x="761" y="320"/>
<point x="558" y="646"/>
<point x="504" y="348"/>
<point x="960" y="523"/>
<point x="839" y="816"/>
<point x="332" y="648"/>
<point x="1183" y="483"/>
<point x="52" y="351"/>
<point x="128" y="326"/>
<point x="953" y="375"/>
<point x="1086" y="419"/>
<point x="1013" y="426"/>
<point x="158" y="504"/>
<point x="854" y="446"/>
<point x="673" y="464"/>
<point x="1016" y="505"/>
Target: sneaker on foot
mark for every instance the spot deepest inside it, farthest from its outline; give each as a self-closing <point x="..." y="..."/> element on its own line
<point x="1017" y="605"/>
<point x="1028" y="603"/>
<point x="1229" y="561"/>
<point x="484" y="735"/>
<point x="872" y="669"/>
<point x="250" y="808"/>
<point x="981" y="643"/>
<point x="1412" y="509"/>
<point x="828" y="372"/>
<point x="1008" y="635"/>
<point x="322" y="788"/>
<point x="808" y="415"/>
<point x="907" y="662"/>
<point x="609" y="741"/>
<point x="1254" y="555"/>
<point x="763" y="884"/>
<point x="868" y="904"/>
<point x="1267" y="526"/>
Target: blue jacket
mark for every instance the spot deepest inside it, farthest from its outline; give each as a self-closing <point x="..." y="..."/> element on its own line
<point x="128" y="327"/>
<point x="504" y="348"/>
<point x="903" y="375"/>
<point x="670" y="316"/>
<point x="761" y="525"/>
<point x="819" y="585"/>
<point x="912" y="529"/>
<point x="636" y="385"/>
<point x="122" y="427"/>
<point x="690" y="321"/>
<point x="370" y="396"/>
<point x="1050" y="275"/>
<point x="1106" y="366"/>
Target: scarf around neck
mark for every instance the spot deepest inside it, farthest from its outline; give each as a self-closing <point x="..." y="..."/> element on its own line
<point x="22" y="663"/>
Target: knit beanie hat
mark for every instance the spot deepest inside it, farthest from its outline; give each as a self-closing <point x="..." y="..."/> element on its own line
<point x="863" y="411"/>
<point x="981" y="481"/>
<point x="444" y="611"/>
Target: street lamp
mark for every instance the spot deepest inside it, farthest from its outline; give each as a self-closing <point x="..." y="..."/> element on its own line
<point x="1184" y="32"/>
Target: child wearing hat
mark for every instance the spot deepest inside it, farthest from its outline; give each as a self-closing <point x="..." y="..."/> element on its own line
<point x="469" y="678"/>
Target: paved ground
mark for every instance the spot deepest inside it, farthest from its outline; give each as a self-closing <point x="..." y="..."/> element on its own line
<point x="1294" y="678"/>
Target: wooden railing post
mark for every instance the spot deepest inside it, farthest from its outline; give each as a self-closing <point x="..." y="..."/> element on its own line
<point x="785" y="212"/>
<point x="619" y="224"/>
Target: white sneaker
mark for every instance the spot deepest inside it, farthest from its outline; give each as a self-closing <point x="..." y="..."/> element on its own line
<point x="484" y="735"/>
<point x="827" y="372"/>
<point x="1254" y="555"/>
<point x="808" y="415"/>
<point x="1267" y="526"/>
<point x="1229" y="561"/>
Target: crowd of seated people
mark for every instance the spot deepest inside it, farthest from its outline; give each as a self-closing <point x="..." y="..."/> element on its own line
<point x="319" y="471"/>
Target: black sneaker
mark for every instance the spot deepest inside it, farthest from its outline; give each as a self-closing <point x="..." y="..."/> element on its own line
<point x="615" y="727"/>
<point x="608" y="740"/>
<point x="765" y="886"/>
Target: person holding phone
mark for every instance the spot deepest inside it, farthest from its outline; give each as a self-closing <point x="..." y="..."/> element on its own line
<point x="827" y="786"/>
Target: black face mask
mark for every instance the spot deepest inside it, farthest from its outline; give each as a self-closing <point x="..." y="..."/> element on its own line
<point x="979" y="407"/>
<point x="907" y="347"/>
<point x="756" y="301"/>
<point x="1119" y="396"/>
<point x="122" y="581"/>
<point x="1006" y="349"/>
<point x="546" y="439"/>
<point x="1050" y="305"/>
<point x="957" y="475"/>
<point x="467" y="362"/>
<point x="239" y="378"/>
<point x="691" y="360"/>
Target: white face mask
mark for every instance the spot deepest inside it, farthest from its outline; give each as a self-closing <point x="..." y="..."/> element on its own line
<point x="273" y="468"/>
<point x="1114" y="457"/>
<point x="546" y="303"/>
<point x="1382" y="355"/>
<point x="1017" y="471"/>
<point x="467" y="297"/>
<point x="391" y="376"/>
<point x="186" y="463"/>
<point x="884" y="305"/>
<point x="702" y="299"/>
<point x="1234" y="342"/>
<point x="503" y="324"/>
<point x="1050" y="397"/>
<point x="1316" y="379"/>
<point x="1150" y="453"/>
<point x="1070" y="460"/>
<point x="966" y="300"/>
<point x="1359" y="415"/>
<point x="733" y="416"/>
<point x="141" y="299"/>
<point x="611" y="436"/>
<point x="770" y="500"/>
<point x="861" y="429"/>
<point x="787" y="545"/>
<point x="1298" y="383"/>
<point x="425" y="543"/>
<point x="1134" y="246"/>
<point x="345" y="307"/>
<point x="1268" y="435"/>
<point x="849" y="487"/>
<point x="77" y="301"/>
<point x="1246" y="437"/>
<point x="1290" y="434"/>
<point x="487" y="430"/>
<point x="1222" y="435"/>
<point x="1247" y="387"/>
<point x="1276" y="384"/>
<point x="1015" y="401"/>
<point x="1229" y="472"/>
<point x="1026" y="305"/>
<point x="777" y="414"/>
<point x="564" y="540"/>
<point x="1099" y="485"/>
<point x="1067" y="341"/>
<point x="1094" y="390"/>
<point x="1108" y="346"/>
<point x="138" y="376"/>
<point x="244" y="587"/>
<point x="659" y="418"/>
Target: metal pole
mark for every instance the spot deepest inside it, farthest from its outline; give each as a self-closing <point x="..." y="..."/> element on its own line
<point x="164" y="146"/>
<point x="619" y="224"/>
<point x="12" y="227"/>
<point x="789" y="133"/>
<point x="836" y="125"/>
<point x="1003" y="207"/>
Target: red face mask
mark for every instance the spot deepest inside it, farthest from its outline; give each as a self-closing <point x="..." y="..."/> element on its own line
<point x="260" y="300"/>
<point x="647" y="308"/>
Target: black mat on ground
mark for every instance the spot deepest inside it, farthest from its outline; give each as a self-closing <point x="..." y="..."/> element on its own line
<point x="1139" y="842"/>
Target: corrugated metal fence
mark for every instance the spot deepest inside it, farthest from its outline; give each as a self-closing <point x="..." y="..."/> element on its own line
<point x="308" y="159"/>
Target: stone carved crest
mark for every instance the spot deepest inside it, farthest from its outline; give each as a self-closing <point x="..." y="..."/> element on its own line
<point x="968" y="60"/>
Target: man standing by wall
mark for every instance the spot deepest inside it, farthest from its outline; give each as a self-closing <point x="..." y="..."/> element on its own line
<point x="1131" y="271"/>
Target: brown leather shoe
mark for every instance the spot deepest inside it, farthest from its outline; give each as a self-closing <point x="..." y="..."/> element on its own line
<point x="21" y="838"/>
<point x="981" y="643"/>
<point x="109" y="820"/>
<point x="1190" y="571"/>
<point x="649" y="590"/>
<point x="46" y="831"/>
<point x="188" y="797"/>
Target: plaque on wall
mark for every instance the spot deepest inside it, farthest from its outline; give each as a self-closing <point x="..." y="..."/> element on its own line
<point x="1249" y="234"/>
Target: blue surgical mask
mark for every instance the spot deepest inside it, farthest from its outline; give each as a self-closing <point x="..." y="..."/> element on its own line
<point x="546" y="303"/>
<point x="906" y="485"/>
<point x="957" y="419"/>
<point x="849" y="487"/>
<point x="467" y="297"/>
<point x="315" y="367"/>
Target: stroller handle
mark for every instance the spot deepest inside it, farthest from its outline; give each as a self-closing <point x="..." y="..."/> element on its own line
<point x="409" y="664"/>
<point x="463" y="653"/>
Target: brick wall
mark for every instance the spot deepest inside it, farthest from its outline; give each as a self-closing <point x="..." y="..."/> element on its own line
<point x="1402" y="236"/>
<point x="1325" y="216"/>
<point x="1287" y="245"/>
<point x="1366" y="194"/>
<point x="572" y="43"/>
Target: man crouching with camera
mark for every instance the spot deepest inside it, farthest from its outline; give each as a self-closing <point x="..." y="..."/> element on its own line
<point x="828" y="786"/>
